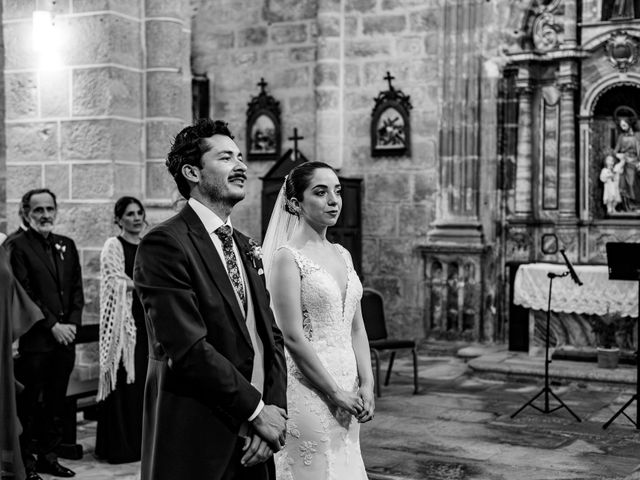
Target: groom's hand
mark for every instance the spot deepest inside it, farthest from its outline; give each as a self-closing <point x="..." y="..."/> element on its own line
<point x="271" y="425"/>
<point x="256" y="450"/>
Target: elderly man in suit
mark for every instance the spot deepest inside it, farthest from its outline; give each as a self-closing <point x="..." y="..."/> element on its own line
<point x="216" y="384"/>
<point x="48" y="268"/>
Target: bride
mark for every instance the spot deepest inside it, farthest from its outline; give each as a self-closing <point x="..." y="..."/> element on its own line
<point x="316" y="299"/>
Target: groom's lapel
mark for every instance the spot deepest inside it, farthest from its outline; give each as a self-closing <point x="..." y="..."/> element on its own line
<point x="214" y="266"/>
<point x="256" y="283"/>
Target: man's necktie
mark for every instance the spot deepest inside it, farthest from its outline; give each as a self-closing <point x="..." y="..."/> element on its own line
<point x="224" y="233"/>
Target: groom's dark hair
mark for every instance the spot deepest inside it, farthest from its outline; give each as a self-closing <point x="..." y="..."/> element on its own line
<point x="189" y="146"/>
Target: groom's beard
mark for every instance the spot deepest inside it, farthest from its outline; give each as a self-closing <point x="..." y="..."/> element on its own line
<point x="222" y="193"/>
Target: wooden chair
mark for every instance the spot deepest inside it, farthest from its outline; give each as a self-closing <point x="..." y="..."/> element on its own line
<point x="374" y="322"/>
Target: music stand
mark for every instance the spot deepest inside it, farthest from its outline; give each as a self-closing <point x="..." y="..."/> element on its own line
<point x="546" y="390"/>
<point x="623" y="260"/>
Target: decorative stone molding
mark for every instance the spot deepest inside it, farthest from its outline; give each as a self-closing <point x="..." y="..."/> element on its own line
<point x="544" y="32"/>
<point x="622" y="50"/>
<point x="569" y="83"/>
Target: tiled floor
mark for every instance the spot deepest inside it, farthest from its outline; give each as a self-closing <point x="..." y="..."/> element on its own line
<point x="90" y="468"/>
<point x="459" y="426"/>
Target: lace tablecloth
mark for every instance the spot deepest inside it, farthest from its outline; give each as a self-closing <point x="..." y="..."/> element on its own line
<point x="598" y="295"/>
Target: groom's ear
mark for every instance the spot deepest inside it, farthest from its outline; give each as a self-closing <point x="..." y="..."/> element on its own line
<point x="191" y="173"/>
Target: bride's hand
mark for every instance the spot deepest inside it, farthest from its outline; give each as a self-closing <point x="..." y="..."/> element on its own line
<point x="368" y="400"/>
<point x="349" y="401"/>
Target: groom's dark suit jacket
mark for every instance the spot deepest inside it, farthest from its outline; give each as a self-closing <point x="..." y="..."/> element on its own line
<point x="198" y="389"/>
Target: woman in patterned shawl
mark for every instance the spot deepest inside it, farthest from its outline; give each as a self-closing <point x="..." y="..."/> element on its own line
<point x="123" y="341"/>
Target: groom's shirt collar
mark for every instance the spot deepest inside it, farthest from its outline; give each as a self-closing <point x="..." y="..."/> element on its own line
<point x="209" y="219"/>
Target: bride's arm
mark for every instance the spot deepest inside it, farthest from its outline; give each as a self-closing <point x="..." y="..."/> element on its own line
<point x="285" y="293"/>
<point x="360" y="344"/>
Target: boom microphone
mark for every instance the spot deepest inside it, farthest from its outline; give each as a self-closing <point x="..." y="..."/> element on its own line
<point x="572" y="272"/>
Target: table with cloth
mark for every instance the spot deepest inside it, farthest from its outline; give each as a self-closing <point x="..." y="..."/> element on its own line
<point x="573" y="307"/>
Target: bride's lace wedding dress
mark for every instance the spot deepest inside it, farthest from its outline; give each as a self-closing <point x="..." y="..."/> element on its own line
<point x="323" y="440"/>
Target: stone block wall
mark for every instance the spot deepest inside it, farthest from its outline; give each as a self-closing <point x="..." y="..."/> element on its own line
<point x="236" y="42"/>
<point x="325" y="61"/>
<point x="96" y="125"/>
<point x="400" y="192"/>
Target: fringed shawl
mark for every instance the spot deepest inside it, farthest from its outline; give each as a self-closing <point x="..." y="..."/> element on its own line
<point x="117" y="327"/>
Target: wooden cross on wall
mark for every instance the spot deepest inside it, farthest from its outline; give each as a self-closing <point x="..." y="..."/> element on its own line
<point x="295" y="139"/>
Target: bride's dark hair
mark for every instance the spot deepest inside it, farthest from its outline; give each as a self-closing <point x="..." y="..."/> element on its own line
<point x="299" y="179"/>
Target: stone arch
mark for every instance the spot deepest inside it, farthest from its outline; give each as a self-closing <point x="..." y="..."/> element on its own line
<point x="591" y="97"/>
<point x="591" y="155"/>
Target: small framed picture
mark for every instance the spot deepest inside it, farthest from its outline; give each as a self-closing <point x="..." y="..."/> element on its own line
<point x="549" y="243"/>
<point x="263" y="134"/>
<point x="390" y="124"/>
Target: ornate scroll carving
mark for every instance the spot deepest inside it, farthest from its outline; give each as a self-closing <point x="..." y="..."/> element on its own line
<point x="545" y="32"/>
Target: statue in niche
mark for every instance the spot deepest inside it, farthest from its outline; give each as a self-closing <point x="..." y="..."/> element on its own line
<point x="618" y="9"/>
<point x="610" y="178"/>
<point x="627" y="150"/>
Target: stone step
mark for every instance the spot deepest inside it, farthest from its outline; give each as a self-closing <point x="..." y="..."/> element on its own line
<point x="505" y="365"/>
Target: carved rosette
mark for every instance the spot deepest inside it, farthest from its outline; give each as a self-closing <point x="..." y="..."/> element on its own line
<point x="622" y="50"/>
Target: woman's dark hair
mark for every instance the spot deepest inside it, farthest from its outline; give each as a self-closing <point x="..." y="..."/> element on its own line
<point x="121" y="206"/>
<point x="188" y="148"/>
<point x="299" y="179"/>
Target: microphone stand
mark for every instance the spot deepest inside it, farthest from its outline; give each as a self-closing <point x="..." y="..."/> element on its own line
<point x="546" y="390"/>
<point x="635" y="396"/>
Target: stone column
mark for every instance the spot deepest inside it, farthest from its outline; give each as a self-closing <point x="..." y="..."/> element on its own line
<point x="568" y="188"/>
<point x="168" y="90"/>
<point x="460" y="144"/>
<point x="524" y="178"/>
<point x="3" y="156"/>
<point x="570" y="24"/>
<point x="329" y="83"/>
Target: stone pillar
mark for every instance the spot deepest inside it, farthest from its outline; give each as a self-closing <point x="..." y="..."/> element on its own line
<point x="567" y="185"/>
<point x="168" y="91"/>
<point x="328" y="83"/>
<point x="460" y="144"/>
<point x="570" y="24"/>
<point x="524" y="171"/>
<point x="3" y="151"/>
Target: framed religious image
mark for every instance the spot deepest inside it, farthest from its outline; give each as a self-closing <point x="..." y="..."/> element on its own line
<point x="549" y="243"/>
<point x="390" y="123"/>
<point x="263" y="126"/>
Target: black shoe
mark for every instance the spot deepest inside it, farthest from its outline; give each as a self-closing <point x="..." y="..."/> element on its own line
<point x="32" y="475"/>
<point x="54" y="468"/>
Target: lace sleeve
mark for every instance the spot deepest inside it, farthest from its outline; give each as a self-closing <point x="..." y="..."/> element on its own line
<point x="117" y="327"/>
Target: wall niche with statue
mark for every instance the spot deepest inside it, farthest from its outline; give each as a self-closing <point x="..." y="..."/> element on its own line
<point x="614" y="176"/>
<point x="620" y="10"/>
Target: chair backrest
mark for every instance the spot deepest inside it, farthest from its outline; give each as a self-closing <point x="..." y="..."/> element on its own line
<point x="373" y="314"/>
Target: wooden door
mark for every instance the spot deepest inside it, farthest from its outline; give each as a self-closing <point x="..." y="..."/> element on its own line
<point x="348" y="230"/>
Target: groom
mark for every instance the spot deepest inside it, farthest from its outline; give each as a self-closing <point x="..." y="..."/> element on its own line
<point x="216" y="384"/>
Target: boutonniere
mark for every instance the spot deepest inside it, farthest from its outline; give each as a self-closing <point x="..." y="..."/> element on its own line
<point x="61" y="248"/>
<point x="255" y="255"/>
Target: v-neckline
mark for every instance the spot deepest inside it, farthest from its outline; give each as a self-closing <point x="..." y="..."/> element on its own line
<point x="335" y="282"/>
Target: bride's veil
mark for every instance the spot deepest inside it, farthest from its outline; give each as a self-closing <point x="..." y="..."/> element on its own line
<point x="281" y="226"/>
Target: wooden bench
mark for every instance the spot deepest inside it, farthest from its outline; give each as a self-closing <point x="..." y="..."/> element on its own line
<point x="81" y="397"/>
